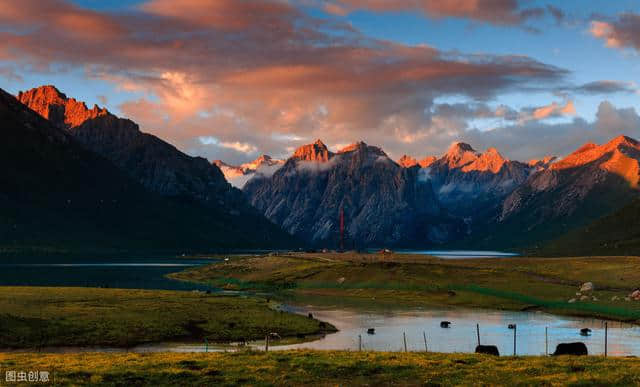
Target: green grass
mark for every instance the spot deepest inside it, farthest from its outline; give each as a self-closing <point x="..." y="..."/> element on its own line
<point x="617" y="233"/>
<point x="375" y="280"/>
<point x="33" y="317"/>
<point x="330" y="368"/>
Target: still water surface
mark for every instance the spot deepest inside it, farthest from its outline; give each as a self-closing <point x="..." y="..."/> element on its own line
<point x="623" y="339"/>
<point x="127" y="274"/>
<point x="460" y="254"/>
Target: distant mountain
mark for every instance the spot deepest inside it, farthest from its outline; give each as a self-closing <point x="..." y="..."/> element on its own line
<point x="543" y="163"/>
<point x="384" y="204"/>
<point x="463" y="198"/>
<point x="592" y="182"/>
<point x="156" y="167"/>
<point x="472" y="184"/>
<point x="263" y="166"/>
<point x="408" y="161"/>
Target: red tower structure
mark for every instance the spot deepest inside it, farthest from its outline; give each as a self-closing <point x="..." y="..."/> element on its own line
<point x="341" y="229"/>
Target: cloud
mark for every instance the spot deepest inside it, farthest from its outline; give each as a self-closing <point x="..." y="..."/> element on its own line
<point x="467" y="111"/>
<point x="241" y="147"/>
<point x="557" y="13"/>
<point x="501" y="12"/>
<point x="618" y="33"/>
<point x="239" y="71"/>
<point x="263" y="172"/>
<point x="226" y="14"/>
<point x="602" y="87"/>
<point x="552" y="110"/>
<point x="534" y="139"/>
<point x="10" y="73"/>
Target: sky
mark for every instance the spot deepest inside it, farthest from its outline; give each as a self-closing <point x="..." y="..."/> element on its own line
<point x="234" y="79"/>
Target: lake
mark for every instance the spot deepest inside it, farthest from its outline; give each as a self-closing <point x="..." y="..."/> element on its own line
<point x="144" y="273"/>
<point x="623" y="339"/>
<point x="112" y="273"/>
<point x="460" y="254"/>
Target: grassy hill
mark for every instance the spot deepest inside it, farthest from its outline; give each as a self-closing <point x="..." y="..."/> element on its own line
<point x="615" y="234"/>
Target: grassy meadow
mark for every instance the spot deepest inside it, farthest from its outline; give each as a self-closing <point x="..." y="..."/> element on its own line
<point x="325" y="368"/>
<point x="383" y="280"/>
<point x="34" y="317"/>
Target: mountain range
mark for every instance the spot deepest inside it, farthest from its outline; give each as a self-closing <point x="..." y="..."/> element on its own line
<point x="590" y="183"/>
<point x="76" y="177"/>
<point x="83" y="177"/>
<point x="463" y="198"/>
<point x="384" y="203"/>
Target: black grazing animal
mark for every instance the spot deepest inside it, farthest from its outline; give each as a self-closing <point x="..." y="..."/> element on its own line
<point x="571" y="349"/>
<point x="488" y="349"/>
<point x="585" y="332"/>
<point x="371" y="331"/>
<point x="445" y="324"/>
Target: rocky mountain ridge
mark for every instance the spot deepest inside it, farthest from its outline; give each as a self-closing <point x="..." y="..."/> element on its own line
<point x="59" y="197"/>
<point x="155" y="164"/>
<point x="483" y="191"/>
<point x="574" y="177"/>
<point x="383" y="203"/>
<point x="447" y="193"/>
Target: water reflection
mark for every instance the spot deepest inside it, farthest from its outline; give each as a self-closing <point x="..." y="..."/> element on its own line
<point x="460" y="254"/>
<point x="113" y="273"/>
<point x="623" y="339"/>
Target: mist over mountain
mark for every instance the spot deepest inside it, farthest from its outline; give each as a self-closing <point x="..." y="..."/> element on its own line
<point x="238" y="175"/>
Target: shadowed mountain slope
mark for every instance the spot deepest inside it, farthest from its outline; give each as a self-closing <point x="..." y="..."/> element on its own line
<point x="57" y="193"/>
<point x="384" y="204"/>
<point x="614" y="234"/>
